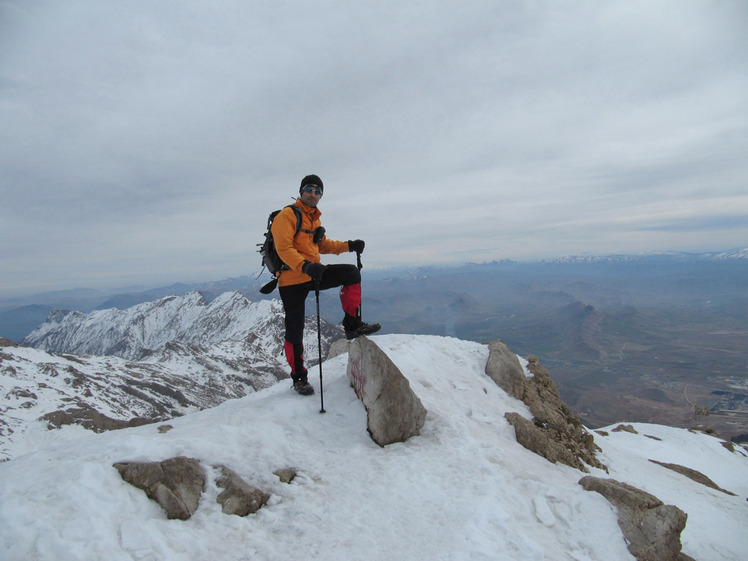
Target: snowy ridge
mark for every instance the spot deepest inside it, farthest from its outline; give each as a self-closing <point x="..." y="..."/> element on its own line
<point x="463" y="489"/>
<point x="150" y="326"/>
<point x="39" y="390"/>
<point x="240" y="351"/>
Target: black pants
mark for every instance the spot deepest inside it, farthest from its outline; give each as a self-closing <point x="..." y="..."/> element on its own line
<point x="294" y="297"/>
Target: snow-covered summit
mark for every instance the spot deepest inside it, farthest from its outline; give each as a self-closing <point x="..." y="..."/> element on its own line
<point x="463" y="489"/>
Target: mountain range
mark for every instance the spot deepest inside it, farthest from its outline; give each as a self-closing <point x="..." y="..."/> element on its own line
<point x="115" y="368"/>
<point x="647" y="337"/>
<point x="652" y="276"/>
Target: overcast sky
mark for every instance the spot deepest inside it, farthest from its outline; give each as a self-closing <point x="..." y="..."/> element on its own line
<point x="147" y="141"/>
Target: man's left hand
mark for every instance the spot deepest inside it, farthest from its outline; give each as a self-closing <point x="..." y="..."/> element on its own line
<point x="356" y="245"/>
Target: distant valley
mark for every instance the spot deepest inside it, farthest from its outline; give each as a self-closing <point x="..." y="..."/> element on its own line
<point x="647" y="339"/>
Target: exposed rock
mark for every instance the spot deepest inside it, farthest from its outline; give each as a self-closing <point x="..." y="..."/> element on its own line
<point x="544" y="400"/>
<point x="704" y="430"/>
<point x="89" y="418"/>
<point x="651" y="528"/>
<point x="176" y="484"/>
<point x="338" y="348"/>
<point x="503" y="367"/>
<point x="238" y="497"/>
<point x="627" y="428"/>
<point x="286" y="475"/>
<point x="555" y="432"/>
<point x="165" y="428"/>
<point x="697" y="476"/>
<point x="541" y="442"/>
<point x="394" y="412"/>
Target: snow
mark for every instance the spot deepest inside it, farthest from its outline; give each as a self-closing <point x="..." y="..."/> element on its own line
<point x="223" y="350"/>
<point x="463" y="489"/>
<point x="151" y="325"/>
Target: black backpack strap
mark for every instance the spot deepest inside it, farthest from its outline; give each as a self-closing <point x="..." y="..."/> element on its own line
<point x="297" y="212"/>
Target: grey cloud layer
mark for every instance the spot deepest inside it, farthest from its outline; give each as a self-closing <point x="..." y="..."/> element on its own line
<point x="149" y="140"/>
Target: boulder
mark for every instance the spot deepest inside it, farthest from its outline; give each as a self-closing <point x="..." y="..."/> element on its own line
<point x="286" y="475"/>
<point x="651" y="528"/>
<point x="238" y="497"/>
<point x="394" y="412"/>
<point x="175" y="484"/>
<point x="503" y="367"/>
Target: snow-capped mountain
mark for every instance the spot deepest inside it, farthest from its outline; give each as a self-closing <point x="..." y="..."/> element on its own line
<point x="634" y="258"/>
<point x="136" y="331"/>
<point x="735" y="254"/>
<point x="192" y="356"/>
<point x="464" y="489"/>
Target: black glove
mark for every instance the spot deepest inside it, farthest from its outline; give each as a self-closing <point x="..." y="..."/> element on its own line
<point x="356" y="245"/>
<point x="314" y="270"/>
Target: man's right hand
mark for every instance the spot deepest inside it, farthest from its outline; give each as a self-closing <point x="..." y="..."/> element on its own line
<point x="314" y="270"/>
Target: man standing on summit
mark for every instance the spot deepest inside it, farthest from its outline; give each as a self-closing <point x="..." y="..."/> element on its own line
<point x="300" y="252"/>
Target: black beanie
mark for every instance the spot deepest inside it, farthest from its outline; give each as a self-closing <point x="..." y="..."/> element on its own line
<point x="312" y="180"/>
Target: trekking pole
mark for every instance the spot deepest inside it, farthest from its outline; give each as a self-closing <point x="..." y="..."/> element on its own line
<point x="319" y="346"/>
<point x="360" y="266"/>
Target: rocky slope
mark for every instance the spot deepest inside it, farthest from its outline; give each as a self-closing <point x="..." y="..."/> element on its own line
<point x="190" y="356"/>
<point x="134" y="332"/>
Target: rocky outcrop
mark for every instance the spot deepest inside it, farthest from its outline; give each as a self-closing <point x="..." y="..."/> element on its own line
<point x="693" y="474"/>
<point x="503" y="367"/>
<point x="542" y="442"/>
<point x="625" y="428"/>
<point x="651" y="528"/>
<point x="238" y="497"/>
<point x="175" y="484"/>
<point x="555" y="432"/>
<point x="394" y="412"/>
<point x="89" y="418"/>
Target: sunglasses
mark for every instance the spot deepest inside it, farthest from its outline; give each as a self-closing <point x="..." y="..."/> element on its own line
<point x="316" y="190"/>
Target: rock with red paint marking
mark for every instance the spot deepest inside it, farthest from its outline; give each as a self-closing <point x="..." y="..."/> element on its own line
<point x="393" y="410"/>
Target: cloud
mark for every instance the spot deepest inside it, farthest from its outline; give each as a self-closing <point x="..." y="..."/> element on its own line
<point x="154" y="138"/>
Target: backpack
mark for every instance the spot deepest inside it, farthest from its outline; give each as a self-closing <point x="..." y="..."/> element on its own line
<point x="270" y="258"/>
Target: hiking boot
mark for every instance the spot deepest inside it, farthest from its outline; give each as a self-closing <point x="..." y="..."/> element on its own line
<point x="354" y="327"/>
<point x="301" y="385"/>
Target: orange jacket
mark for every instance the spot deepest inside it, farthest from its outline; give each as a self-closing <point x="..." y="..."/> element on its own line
<point x="294" y="248"/>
